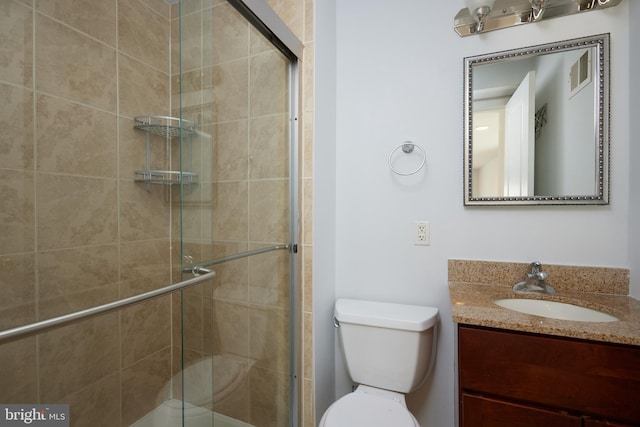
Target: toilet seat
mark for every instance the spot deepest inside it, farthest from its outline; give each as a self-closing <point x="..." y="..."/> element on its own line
<point x="360" y="409"/>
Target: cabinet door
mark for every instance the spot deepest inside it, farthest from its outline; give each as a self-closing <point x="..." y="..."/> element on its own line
<point x="598" y="379"/>
<point x="480" y="411"/>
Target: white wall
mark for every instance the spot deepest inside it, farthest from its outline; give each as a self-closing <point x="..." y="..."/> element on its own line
<point x="398" y="76"/>
<point x="634" y="149"/>
<point x="324" y="213"/>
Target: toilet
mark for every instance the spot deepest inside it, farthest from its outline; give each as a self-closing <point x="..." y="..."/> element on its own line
<point x="389" y="350"/>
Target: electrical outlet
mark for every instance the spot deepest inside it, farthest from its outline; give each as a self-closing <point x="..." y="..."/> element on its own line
<point x="421" y="233"/>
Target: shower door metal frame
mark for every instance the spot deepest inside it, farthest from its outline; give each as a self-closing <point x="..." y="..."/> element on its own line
<point x="295" y="313"/>
<point x="261" y="16"/>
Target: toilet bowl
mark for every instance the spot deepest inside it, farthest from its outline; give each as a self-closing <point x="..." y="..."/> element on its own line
<point x="370" y="407"/>
<point x="389" y="350"/>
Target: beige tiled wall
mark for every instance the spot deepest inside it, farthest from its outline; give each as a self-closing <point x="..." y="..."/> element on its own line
<point x="76" y="230"/>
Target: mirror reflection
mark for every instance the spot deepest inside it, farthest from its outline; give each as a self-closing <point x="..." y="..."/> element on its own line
<point x="536" y="125"/>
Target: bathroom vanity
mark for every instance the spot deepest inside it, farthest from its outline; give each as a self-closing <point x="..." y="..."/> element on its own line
<point x="523" y="370"/>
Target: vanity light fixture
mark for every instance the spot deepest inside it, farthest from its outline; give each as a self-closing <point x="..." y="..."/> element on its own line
<point x="481" y="16"/>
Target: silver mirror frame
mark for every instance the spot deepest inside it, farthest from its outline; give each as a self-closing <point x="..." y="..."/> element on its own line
<point x="601" y="42"/>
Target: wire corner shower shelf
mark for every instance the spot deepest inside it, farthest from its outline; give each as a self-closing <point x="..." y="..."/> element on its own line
<point x="168" y="128"/>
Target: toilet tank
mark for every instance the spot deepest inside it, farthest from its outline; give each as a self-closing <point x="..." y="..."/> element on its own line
<point x="385" y="345"/>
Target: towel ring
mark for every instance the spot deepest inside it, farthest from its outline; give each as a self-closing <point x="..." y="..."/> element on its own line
<point x="408" y="147"/>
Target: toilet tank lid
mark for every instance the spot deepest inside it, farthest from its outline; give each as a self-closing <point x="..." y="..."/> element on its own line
<point x="385" y="315"/>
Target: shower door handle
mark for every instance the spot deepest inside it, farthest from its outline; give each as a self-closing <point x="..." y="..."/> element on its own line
<point x="65" y="319"/>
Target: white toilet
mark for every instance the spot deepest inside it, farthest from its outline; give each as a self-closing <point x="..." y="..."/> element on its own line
<point x="389" y="350"/>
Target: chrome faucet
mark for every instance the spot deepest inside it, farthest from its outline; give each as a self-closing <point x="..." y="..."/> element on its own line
<point x="535" y="281"/>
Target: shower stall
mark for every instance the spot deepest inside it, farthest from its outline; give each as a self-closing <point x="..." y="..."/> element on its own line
<point x="148" y="222"/>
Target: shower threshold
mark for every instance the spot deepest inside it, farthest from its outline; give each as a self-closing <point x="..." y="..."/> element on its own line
<point x="169" y="414"/>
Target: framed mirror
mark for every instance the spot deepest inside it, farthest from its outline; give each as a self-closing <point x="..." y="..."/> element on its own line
<point x="536" y="125"/>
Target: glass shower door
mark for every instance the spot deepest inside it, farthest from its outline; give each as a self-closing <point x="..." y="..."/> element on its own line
<point x="235" y="347"/>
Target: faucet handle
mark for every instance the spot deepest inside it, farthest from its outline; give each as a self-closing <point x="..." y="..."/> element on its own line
<point x="534" y="271"/>
<point x="541" y="275"/>
<point x="534" y="267"/>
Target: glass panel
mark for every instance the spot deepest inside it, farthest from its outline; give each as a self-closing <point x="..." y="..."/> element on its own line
<point x="90" y="211"/>
<point x="76" y="229"/>
<point x="235" y="87"/>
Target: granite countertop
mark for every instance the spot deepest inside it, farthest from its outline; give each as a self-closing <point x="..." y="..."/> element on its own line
<point x="472" y="304"/>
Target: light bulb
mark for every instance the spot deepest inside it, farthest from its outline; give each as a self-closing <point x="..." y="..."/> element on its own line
<point x="479" y="9"/>
<point x="472" y="5"/>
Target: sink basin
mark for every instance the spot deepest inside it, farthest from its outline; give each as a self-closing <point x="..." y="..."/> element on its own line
<point x="555" y="310"/>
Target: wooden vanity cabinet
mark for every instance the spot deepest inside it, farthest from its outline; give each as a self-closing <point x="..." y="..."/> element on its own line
<point x="515" y="379"/>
